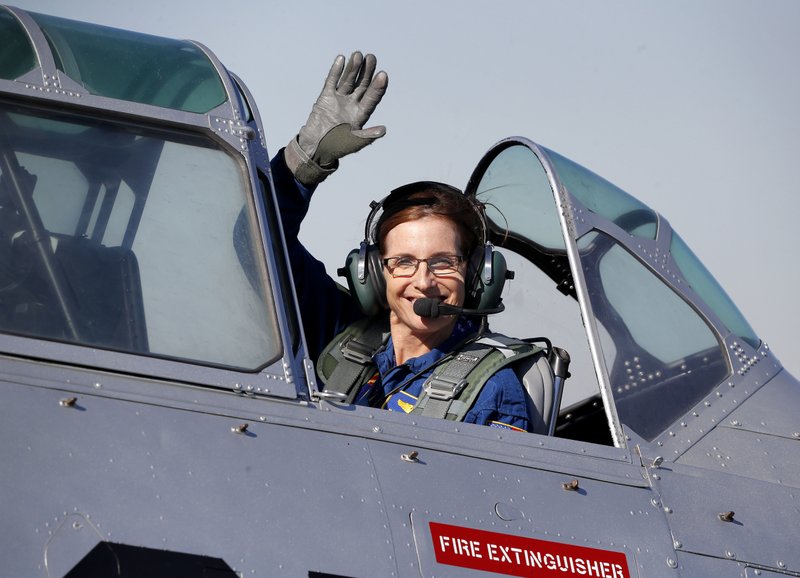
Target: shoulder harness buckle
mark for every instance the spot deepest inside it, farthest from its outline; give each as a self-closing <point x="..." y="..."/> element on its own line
<point x="444" y="388"/>
<point x="356" y="351"/>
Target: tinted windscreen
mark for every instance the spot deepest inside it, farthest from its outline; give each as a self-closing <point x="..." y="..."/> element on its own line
<point x="128" y="238"/>
<point x="662" y="355"/>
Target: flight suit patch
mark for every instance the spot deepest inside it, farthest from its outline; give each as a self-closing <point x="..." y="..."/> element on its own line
<point x="501" y="425"/>
<point x="401" y="401"/>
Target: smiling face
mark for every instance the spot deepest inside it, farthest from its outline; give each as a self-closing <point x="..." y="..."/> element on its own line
<point x="423" y="238"/>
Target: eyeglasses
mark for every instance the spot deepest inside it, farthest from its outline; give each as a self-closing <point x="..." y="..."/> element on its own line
<point x="441" y="265"/>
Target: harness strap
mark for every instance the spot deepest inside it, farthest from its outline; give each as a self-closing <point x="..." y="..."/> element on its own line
<point x="450" y="391"/>
<point x="346" y="362"/>
<point x="507" y="346"/>
<point x="454" y="386"/>
<point x="440" y="390"/>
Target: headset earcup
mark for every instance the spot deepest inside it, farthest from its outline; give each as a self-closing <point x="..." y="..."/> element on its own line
<point x="371" y="293"/>
<point x="488" y="295"/>
<point x="375" y="276"/>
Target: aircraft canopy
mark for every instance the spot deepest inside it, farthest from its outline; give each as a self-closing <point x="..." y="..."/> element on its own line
<point x="118" y="64"/>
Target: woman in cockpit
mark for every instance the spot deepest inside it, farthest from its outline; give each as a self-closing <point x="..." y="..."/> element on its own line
<point x="425" y="243"/>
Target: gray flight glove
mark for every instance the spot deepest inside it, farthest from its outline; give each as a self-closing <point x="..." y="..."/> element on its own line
<point x="335" y="127"/>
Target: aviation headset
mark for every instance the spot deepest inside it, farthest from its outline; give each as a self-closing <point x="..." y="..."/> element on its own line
<point x="363" y="270"/>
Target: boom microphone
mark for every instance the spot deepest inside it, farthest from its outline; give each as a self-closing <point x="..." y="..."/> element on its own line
<point x="431" y="307"/>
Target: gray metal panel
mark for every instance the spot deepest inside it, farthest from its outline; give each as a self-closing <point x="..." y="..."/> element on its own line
<point x="759" y="439"/>
<point x="695" y="566"/>
<point x="751" y="572"/>
<point x="277" y="379"/>
<point x="774" y="409"/>
<point x="273" y="500"/>
<point x="691" y="565"/>
<point x="759" y="456"/>
<point x="494" y="445"/>
<point x="150" y="463"/>
<point x="765" y="523"/>
<point x="559" y="455"/>
<point x="519" y="501"/>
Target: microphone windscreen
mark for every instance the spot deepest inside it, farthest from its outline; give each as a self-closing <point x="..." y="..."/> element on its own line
<point x="426" y="307"/>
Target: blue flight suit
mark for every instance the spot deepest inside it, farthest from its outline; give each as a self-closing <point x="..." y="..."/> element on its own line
<point x="327" y="309"/>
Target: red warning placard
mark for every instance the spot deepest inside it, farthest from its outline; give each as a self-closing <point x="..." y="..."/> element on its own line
<point x="520" y="556"/>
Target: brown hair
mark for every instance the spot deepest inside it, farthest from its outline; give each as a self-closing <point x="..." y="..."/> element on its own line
<point x="431" y="199"/>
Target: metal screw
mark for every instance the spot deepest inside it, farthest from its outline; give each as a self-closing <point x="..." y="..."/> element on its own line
<point x="68" y="402"/>
<point x="240" y="429"/>
<point x="571" y="486"/>
<point x="247" y="132"/>
<point x="410" y="456"/>
<point x="672" y="563"/>
<point x="726" y="516"/>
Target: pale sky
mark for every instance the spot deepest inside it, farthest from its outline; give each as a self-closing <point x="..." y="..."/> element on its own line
<point x="689" y="105"/>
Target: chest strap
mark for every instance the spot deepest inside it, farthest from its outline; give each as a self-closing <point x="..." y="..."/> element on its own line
<point x="454" y="386"/>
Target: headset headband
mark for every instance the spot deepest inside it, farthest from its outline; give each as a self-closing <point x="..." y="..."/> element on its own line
<point x="397" y="200"/>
